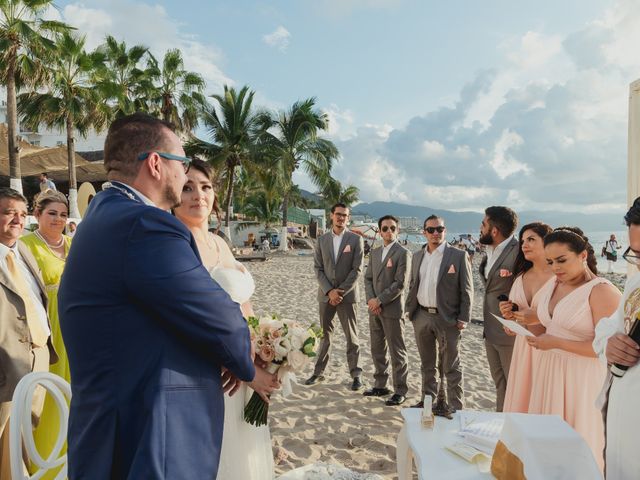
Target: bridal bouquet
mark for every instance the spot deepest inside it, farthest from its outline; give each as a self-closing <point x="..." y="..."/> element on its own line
<point x="287" y="346"/>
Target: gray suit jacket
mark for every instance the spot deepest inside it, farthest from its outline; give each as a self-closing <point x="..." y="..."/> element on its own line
<point x="454" y="292"/>
<point x="15" y="347"/>
<point x="342" y="273"/>
<point x="386" y="280"/>
<point x="498" y="282"/>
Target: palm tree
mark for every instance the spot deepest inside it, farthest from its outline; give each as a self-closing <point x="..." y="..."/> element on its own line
<point x="233" y="126"/>
<point x="176" y="94"/>
<point x="295" y="143"/>
<point x="120" y="79"/>
<point x="71" y="103"/>
<point x="25" y="41"/>
<point x="334" y="193"/>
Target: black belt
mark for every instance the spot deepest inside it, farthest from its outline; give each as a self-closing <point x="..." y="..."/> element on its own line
<point x="429" y="309"/>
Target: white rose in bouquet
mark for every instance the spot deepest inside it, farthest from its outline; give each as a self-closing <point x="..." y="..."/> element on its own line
<point x="298" y="336"/>
<point x="297" y="360"/>
<point x="282" y="348"/>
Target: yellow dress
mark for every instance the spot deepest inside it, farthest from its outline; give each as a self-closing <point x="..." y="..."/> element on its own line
<point x="51" y="266"/>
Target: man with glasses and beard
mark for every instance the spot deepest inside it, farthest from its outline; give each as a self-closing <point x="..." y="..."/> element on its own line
<point x="496" y="271"/>
<point x="614" y="346"/>
<point x="338" y="265"/>
<point x="439" y="306"/>
<point x="147" y="331"/>
<point x="384" y="282"/>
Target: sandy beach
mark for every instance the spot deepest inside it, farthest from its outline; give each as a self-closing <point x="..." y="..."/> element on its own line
<point x="328" y="422"/>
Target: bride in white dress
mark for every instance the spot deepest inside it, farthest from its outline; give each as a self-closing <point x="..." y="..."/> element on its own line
<point x="246" y="450"/>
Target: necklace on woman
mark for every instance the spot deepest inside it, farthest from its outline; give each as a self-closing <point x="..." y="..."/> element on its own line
<point x="52" y="248"/>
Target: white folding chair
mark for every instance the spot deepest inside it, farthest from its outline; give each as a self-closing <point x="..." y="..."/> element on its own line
<point x="21" y="427"/>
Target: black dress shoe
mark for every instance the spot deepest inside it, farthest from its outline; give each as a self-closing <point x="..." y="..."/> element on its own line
<point x="418" y="405"/>
<point x="376" y="392"/>
<point x="357" y="384"/>
<point x="313" y="379"/>
<point x="396" y="399"/>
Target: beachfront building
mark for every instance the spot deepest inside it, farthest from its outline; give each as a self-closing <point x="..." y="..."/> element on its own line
<point x="44" y="137"/>
<point x="410" y="223"/>
<point x="318" y="215"/>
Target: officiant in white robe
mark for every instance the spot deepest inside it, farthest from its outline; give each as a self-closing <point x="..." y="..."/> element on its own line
<point x="621" y="395"/>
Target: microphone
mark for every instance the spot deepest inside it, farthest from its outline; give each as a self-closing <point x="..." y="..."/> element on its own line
<point x="504" y="298"/>
<point x="618" y="370"/>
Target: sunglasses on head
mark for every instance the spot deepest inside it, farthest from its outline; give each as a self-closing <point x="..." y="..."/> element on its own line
<point x="392" y="228"/>
<point x="439" y="229"/>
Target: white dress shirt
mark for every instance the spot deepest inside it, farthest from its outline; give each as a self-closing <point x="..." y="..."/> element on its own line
<point x="36" y="298"/>
<point x="385" y="249"/>
<point x="429" y="269"/>
<point x="493" y="254"/>
<point x="337" y="240"/>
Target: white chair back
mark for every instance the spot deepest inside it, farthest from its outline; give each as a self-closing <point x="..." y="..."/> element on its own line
<point x="21" y="427"/>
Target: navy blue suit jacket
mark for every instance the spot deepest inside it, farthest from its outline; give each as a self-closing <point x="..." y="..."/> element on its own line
<point x="147" y="331"/>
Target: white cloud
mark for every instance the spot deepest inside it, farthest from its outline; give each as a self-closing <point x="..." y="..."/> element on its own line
<point x="503" y="162"/>
<point x="341" y="122"/>
<point x="432" y="148"/>
<point x="140" y="23"/>
<point x="279" y="38"/>
<point x="544" y="130"/>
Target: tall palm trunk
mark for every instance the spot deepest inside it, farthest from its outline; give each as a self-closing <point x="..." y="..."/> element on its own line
<point x="284" y="246"/>
<point x="71" y="158"/>
<point x="12" y="127"/>
<point x="229" y="201"/>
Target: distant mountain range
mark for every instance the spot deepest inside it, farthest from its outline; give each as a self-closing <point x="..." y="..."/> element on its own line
<point x="460" y="222"/>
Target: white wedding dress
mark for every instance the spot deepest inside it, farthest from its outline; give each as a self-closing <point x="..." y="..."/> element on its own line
<point x="246" y="449"/>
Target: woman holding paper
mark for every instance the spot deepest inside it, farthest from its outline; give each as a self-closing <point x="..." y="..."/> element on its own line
<point x="532" y="273"/>
<point x="569" y="376"/>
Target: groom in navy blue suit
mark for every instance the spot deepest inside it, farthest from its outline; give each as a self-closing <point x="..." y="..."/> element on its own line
<point x="147" y="330"/>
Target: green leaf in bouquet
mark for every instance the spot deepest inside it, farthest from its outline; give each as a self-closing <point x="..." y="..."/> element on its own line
<point x="253" y="322"/>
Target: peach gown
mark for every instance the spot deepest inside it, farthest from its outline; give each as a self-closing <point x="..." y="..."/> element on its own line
<point x="524" y="357"/>
<point x="565" y="383"/>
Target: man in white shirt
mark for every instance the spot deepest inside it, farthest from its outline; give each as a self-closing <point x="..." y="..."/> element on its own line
<point x="496" y="272"/>
<point x="46" y="183"/>
<point x="337" y="262"/>
<point x="25" y="346"/>
<point x="384" y="282"/>
<point x="439" y="306"/>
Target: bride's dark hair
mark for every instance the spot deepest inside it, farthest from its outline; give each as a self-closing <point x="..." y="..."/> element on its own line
<point x="208" y="171"/>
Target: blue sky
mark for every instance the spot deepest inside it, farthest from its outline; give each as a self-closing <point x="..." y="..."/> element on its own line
<point x="457" y="104"/>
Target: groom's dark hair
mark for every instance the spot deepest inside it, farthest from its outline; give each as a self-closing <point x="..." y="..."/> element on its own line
<point x="130" y="136"/>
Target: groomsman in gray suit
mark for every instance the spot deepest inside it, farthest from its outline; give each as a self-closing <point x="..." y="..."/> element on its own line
<point x="338" y="266"/>
<point x="384" y="282"/>
<point x="496" y="271"/>
<point x="439" y="305"/>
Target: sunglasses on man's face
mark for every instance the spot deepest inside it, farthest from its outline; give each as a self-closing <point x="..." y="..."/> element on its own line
<point x="631" y="256"/>
<point x="392" y="228"/>
<point x="439" y="229"/>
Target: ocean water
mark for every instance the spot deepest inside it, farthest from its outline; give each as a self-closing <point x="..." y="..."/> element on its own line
<point x="597" y="239"/>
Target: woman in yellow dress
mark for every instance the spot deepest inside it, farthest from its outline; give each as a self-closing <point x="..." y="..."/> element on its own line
<point x="50" y="247"/>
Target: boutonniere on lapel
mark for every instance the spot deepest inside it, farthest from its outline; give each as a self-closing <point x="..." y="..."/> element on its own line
<point x="389" y="263"/>
<point x="505" y="273"/>
<point x="347" y="249"/>
<point x="452" y="269"/>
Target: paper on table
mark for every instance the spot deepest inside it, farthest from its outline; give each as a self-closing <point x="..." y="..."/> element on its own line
<point x="515" y="327"/>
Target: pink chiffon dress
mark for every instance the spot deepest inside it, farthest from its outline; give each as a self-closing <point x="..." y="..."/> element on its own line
<point x="524" y="357"/>
<point x="565" y="383"/>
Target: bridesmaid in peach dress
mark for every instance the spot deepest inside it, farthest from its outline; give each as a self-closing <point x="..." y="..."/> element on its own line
<point x="532" y="273"/>
<point x="569" y="376"/>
